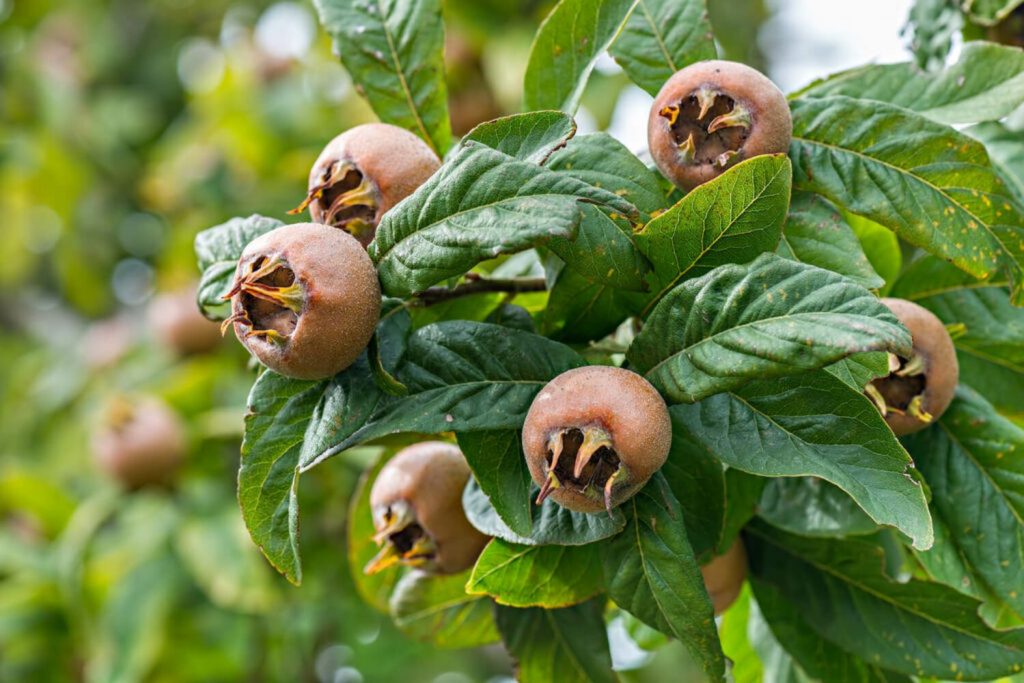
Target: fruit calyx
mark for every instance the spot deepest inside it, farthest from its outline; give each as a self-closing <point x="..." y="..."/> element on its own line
<point x="582" y="459"/>
<point x="401" y="539"/>
<point x="708" y="126"/>
<point x="349" y="199"/>
<point x="902" y="391"/>
<point x="272" y="300"/>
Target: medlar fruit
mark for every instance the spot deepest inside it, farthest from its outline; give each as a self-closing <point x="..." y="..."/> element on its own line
<point x="305" y="300"/>
<point x="918" y="389"/>
<point x="177" y="323"/>
<point x="416" y="503"/>
<point x="593" y="437"/>
<point x="364" y="172"/>
<point x="140" y="442"/>
<point x="712" y="115"/>
<point x="724" y="576"/>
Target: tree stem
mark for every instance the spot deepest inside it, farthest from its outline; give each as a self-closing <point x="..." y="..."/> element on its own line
<point x="479" y="285"/>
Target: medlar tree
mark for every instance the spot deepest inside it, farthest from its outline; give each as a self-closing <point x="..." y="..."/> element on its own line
<point x="694" y="376"/>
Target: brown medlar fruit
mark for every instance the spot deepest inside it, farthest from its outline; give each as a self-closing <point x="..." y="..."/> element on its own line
<point x="139" y="442"/>
<point x="724" y="576"/>
<point x="918" y="389"/>
<point x="305" y="300"/>
<point x="364" y="172"/>
<point x="712" y="115"/>
<point x="593" y="437"/>
<point x="416" y="503"/>
<point x="177" y="323"/>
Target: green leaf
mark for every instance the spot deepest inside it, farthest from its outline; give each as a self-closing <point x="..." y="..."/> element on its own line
<point x="737" y="646"/>
<point x="860" y="369"/>
<point x="930" y="184"/>
<point x="916" y="628"/>
<point x="437" y="610"/>
<point x="480" y="204"/>
<point x="985" y="84"/>
<point x="809" y="506"/>
<point x="567" y="47"/>
<point x="579" y="310"/>
<point x="375" y="589"/>
<point x="990" y="348"/>
<point x="1005" y="150"/>
<point x="933" y="23"/>
<point x="813" y="424"/>
<point x="766" y="319"/>
<point x="816" y="234"/>
<point x="731" y="219"/>
<point x="287" y="422"/>
<point x="499" y="468"/>
<point x="218" y="250"/>
<point x="462" y="376"/>
<point x="394" y="52"/>
<point x="603" y="251"/>
<point x="548" y="576"/>
<point x="880" y="245"/>
<point x="652" y="573"/>
<point x="660" y="38"/>
<point x="532" y="136"/>
<point x="552" y="524"/>
<point x="990" y="12"/>
<point x="974" y="463"/>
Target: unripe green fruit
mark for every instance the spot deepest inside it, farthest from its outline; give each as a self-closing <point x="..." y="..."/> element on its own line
<point x="305" y="300"/>
<point x="139" y="443"/>
<point x="593" y="437"/>
<point x="918" y="389"/>
<point x="724" y="576"/>
<point x="712" y="115"/>
<point x="364" y="172"/>
<point x="416" y="503"/>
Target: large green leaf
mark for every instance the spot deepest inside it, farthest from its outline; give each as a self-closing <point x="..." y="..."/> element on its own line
<point x="1006" y="151"/>
<point x="603" y="251"/>
<point x="813" y="424"/>
<point x="660" y="38"/>
<point x="816" y="234"/>
<point x="480" y="204"/>
<point x="769" y="318"/>
<point x="532" y="136"/>
<point x="552" y="524"/>
<point x="731" y="219"/>
<point x="567" y="47"/>
<point x="652" y="573"/>
<point x="990" y="12"/>
<point x="218" y="250"/>
<point x="579" y="310"/>
<point x="437" y="609"/>
<point x="374" y="589"/>
<point x="461" y="376"/>
<point x="990" y="347"/>
<point x="394" y="51"/>
<point x="548" y="576"/>
<point x="930" y="184"/>
<point x="985" y="84"/>
<point x="499" y="468"/>
<point x="287" y="422"/>
<point x="810" y="506"/>
<point x="567" y="645"/>
<point x="916" y="628"/>
<point x="974" y="463"/>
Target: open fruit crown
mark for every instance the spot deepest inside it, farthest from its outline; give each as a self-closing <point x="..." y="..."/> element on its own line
<point x="742" y="289"/>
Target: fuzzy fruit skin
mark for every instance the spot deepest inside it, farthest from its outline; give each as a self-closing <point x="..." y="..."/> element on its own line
<point x="393" y="159"/>
<point x="177" y="323"/>
<point x="145" y="447"/>
<point x="724" y="576"/>
<point x="623" y="403"/>
<point x="942" y="371"/>
<point x="341" y="306"/>
<point x="430" y="476"/>
<point x="770" y="132"/>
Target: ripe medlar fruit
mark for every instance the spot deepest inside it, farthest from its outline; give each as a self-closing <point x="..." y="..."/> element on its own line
<point x="139" y="442"/>
<point x="712" y="115"/>
<point x="364" y="172"/>
<point x="416" y="503"/>
<point x="177" y="323"/>
<point x="724" y="576"/>
<point x="305" y="300"/>
<point x="593" y="437"/>
<point x="918" y="389"/>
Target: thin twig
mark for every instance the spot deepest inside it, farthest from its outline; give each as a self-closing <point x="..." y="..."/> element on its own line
<point x="479" y="285"/>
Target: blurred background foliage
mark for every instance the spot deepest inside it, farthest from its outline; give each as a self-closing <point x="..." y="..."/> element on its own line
<point x="125" y="128"/>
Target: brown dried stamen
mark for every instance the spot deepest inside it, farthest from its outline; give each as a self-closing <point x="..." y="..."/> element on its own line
<point x="271" y="300"/>
<point x="345" y="197"/>
<point x="582" y="459"/>
<point x="708" y="126"/>
<point x="902" y="390"/>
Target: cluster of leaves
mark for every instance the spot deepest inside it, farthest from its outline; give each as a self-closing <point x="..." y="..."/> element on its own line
<point x="750" y="304"/>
